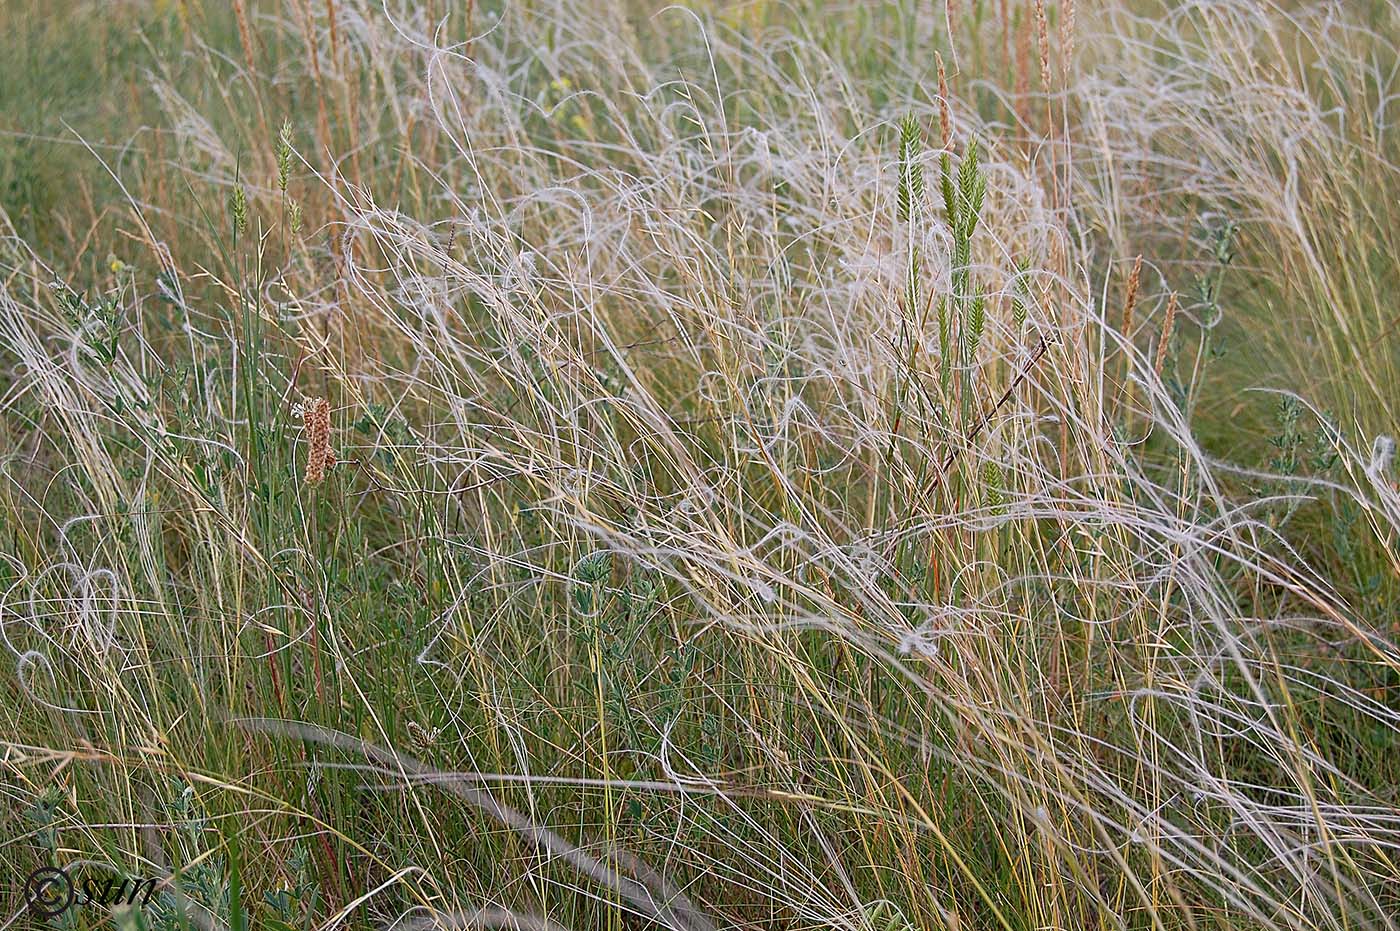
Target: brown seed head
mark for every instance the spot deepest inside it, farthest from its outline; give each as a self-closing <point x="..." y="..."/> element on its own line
<point x="1167" y="325"/>
<point x="945" y="117"/>
<point x="1066" y="40"/>
<point x="317" y="424"/>
<point x="1043" y="36"/>
<point x="1134" y="277"/>
<point x="245" y="37"/>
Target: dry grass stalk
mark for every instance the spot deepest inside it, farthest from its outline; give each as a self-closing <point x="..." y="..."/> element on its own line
<point x="1005" y="30"/>
<point x="245" y="35"/>
<point x="335" y="39"/>
<point x="308" y="31"/>
<point x="1023" y="67"/>
<point x="1043" y="37"/>
<point x="182" y="13"/>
